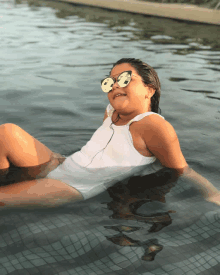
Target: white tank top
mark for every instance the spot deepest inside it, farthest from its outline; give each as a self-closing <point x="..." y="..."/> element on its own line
<point x="109" y="156"/>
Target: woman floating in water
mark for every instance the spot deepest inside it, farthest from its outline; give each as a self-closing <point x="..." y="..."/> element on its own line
<point x="131" y="140"/>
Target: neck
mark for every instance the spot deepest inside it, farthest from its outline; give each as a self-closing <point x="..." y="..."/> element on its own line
<point x="127" y="117"/>
<point x="122" y="119"/>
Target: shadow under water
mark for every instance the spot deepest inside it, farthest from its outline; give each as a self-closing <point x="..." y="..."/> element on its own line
<point x="128" y="198"/>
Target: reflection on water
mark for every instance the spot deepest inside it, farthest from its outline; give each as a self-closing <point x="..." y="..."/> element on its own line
<point x="53" y="56"/>
<point x="151" y="247"/>
<point x="158" y="30"/>
<point x="128" y="198"/>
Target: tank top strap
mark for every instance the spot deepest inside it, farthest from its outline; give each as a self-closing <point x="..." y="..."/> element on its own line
<point x="139" y="117"/>
<point x="110" y="111"/>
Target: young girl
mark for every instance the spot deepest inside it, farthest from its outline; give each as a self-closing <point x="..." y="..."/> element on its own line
<point x="133" y="140"/>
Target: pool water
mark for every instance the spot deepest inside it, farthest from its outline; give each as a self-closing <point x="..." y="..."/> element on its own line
<point x="53" y="56"/>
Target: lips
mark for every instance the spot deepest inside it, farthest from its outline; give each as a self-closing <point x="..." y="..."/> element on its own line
<point x="119" y="94"/>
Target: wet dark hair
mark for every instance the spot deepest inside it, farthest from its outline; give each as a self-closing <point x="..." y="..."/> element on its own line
<point x="149" y="78"/>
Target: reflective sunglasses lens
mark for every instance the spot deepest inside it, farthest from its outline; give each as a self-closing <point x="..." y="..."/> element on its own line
<point x="124" y="79"/>
<point x="107" y="84"/>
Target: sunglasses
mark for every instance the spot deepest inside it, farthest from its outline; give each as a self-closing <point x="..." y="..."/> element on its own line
<point x="123" y="80"/>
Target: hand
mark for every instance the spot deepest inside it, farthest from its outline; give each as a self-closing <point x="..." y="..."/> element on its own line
<point x="215" y="199"/>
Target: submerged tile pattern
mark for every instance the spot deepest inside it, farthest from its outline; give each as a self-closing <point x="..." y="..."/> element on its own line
<point x="82" y="239"/>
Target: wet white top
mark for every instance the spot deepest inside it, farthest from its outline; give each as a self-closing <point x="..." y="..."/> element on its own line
<point x="108" y="157"/>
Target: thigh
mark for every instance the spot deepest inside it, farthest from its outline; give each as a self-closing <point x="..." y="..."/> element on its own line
<point x="15" y="174"/>
<point x="41" y="192"/>
<point x="22" y="149"/>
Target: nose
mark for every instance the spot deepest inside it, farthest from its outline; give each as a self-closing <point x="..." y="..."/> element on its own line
<point x="115" y="85"/>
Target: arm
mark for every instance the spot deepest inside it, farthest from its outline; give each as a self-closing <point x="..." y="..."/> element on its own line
<point x="162" y="141"/>
<point x="209" y="192"/>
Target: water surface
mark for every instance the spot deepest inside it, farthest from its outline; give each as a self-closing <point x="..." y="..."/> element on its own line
<point x="53" y="56"/>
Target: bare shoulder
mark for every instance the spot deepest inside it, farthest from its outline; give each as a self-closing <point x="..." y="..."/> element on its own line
<point x="155" y="126"/>
<point x="162" y="141"/>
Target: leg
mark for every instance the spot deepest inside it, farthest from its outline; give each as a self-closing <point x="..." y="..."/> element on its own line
<point x="20" y="148"/>
<point x="23" y="150"/>
<point x="41" y="192"/>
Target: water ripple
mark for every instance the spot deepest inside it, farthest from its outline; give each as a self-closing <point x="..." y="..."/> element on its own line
<point x="199" y="91"/>
<point x="53" y="56"/>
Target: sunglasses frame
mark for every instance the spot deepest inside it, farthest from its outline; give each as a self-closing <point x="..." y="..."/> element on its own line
<point x="114" y="79"/>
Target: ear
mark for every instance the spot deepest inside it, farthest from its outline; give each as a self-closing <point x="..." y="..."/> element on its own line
<point x="151" y="92"/>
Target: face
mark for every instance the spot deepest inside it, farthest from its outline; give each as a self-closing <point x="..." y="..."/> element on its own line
<point x="136" y="96"/>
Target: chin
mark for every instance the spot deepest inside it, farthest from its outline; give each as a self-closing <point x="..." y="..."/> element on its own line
<point x="119" y="106"/>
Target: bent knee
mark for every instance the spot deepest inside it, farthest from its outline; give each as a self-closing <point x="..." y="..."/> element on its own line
<point x="10" y="128"/>
<point x="6" y="126"/>
<point x="11" y="133"/>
